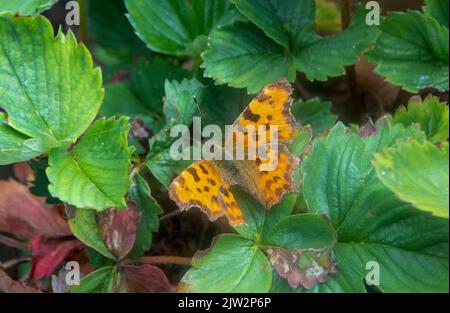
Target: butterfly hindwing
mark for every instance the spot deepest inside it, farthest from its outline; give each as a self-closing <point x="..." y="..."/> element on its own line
<point x="273" y="184"/>
<point x="201" y="185"/>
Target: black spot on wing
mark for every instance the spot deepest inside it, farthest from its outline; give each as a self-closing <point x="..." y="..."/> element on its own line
<point x="249" y="115"/>
<point x="194" y="174"/>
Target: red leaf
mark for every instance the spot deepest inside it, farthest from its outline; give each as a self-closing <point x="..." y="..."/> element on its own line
<point x="144" y="279"/>
<point x="48" y="254"/>
<point x="118" y="229"/>
<point x="25" y="215"/>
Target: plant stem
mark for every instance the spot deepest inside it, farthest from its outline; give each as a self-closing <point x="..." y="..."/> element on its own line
<point x="84" y="29"/>
<point x="13" y="243"/>
<point x="166" y="260"/>
<point x="355" y="94"/>
<point x="14" y="262"/>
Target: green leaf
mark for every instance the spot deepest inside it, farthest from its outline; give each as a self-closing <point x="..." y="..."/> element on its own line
<point x="180" y="106"/>
<point x="301" y="231"/>
<point x="233" y="264"/>
<point x="143" y="92"/>
<point x="148" y="81"/>
<point x="322" y="57"/>
<point x="259" y="220"/>
<point x="94" y="174"/>
<point x="372" y="224"/>
<point x="150" y="209"/>
<point x="216" y="98"/>
<point x="116" y="95"/>
<point x="164" y="168"/>
<point x="48" y="86"/>
<point x="437" y="9"/>
<point x="279" y="19"/>
<point x="104" y="280"/>
<point x="98" y="260"/>
<point x="431" y="114"/>
<point x="177" y="27"/>
<point x="301" y="141"/>
<point x="417" y="173"/>
<point x="243" y="56"/>
<point x="307" y="239"/>
<point x="315" y="113"/>
<point x="412" y="51"/>
<point x="13" y="146"/>
<point x="26" y="7"/>
<point x="84" y="226"/>
<point x="297" y="245"/>
<point x="117" y="36"/>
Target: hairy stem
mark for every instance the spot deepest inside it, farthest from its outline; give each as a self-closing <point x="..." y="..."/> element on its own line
<point x="170" y="215"/>
<point x="14" y="262"/>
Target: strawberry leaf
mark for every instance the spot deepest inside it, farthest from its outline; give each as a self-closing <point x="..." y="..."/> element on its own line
<point x="177" y="27"/>
<point x="372" y="224"/>
<point x="412" y="51"/>
<point x="149" y="209"/>
<point x="84" y="226"/>
<point x="233" y="264"/>
<point x="242" y="56"/>
<point x="315" y="113"/>
<point x="26" y="7"/>
<point x="13" y="146"/>
<point x="143" y="279"/>
<point x="32" y="60"/>
<point x="430" y="114"/>
<point x="25" y="215"/>
<point x="437" y="9"/>
<point x="118" y="229"/>
<point x="94" y="174"/>
<point x="428" y="188"/>
<point x="104" y="280"/>
<point x="295" y="246"/>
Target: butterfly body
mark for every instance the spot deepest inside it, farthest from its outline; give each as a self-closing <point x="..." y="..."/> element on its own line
<point x="206" y="183"/>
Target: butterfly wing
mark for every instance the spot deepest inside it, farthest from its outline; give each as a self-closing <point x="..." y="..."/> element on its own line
<point x="271" y="106"/>
<point x="273" y="184"/>
<point x="201" y="185"/>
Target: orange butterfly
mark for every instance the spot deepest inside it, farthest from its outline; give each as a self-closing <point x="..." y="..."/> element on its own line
<point x="206" y="183"/>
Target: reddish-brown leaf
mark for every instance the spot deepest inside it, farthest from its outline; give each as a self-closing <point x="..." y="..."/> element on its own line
<point x="118" y="229"/>
<point x="48" y="254"/>
<point x="302" y="267"/>
<point x="144" y="279"/>
<point x="25" y="215"/>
